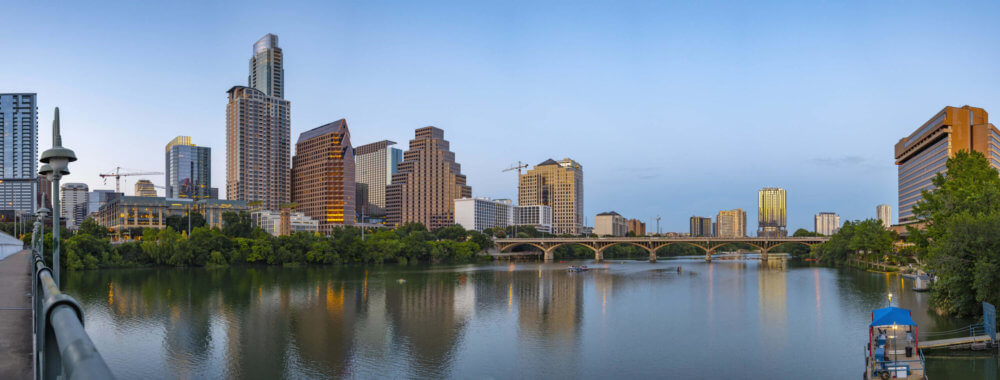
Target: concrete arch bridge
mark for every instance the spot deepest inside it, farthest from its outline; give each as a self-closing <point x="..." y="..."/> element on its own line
<point x="652" y="244"/>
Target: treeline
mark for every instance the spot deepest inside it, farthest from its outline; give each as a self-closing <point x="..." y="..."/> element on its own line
<point x="239" y="243"/>
<point x="863" y="240"/>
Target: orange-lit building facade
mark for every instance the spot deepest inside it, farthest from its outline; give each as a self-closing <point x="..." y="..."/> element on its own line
<point x="323" y="185"/>
<point x="426" y="183"/>
<point x="923" y="154"/>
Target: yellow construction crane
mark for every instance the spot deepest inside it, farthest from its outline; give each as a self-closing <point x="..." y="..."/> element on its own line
<point x="520" y="165"/>
<point x="118" y="174"/>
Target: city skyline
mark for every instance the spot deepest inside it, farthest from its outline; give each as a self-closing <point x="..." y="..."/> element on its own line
<point x="855" y="173"/>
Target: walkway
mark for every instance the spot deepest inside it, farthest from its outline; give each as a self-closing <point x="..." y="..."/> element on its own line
<point x="954" y="342"/>
<point x="15" y="317"/>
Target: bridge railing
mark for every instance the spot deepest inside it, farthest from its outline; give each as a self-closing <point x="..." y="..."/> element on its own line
<point x="62" y="348"/>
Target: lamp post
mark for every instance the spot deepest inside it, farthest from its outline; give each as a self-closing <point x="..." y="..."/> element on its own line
<point x="42" y="213"/>
<point x="58" y="158"/>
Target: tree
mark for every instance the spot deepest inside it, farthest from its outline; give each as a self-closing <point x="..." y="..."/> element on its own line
<point x="453" y="232"/>
<point x="90" y="227"/>
<point x="236" y="224"/>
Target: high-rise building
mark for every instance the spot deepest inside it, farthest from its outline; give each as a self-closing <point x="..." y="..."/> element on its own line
<point x="636" y="227"/>
<point x="427" y="183"/>
<point x="610" y="223"/>
<point x="731" y="223"/>
<point x="538" y="216"/>
<point x="375" y="164"/>
<point x="923" y="154"/>
<point x="98" y="198"/>
<point x="144" y="188"/>
<point x="323" y="175"/>
<point x="771" y="212"/>
<point x="560" y="186"/>
<point x="700" y="226"/>
<point x="258" y="132"/>
<point x="189" y="169"/>
<point x="73" y="203"/>
<point x="884" y="213"/>
<point x="827" y="223"/>
<point x="482" y="213"/>
<point x="18" y="151"/>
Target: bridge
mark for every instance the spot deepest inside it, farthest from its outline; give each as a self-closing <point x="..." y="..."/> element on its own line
<point x="652" y="243"/>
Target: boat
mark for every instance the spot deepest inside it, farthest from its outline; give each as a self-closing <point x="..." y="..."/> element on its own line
<point x="574" y="268"/>
<point x="922" y="283"/>
<point x="893" y="350"/>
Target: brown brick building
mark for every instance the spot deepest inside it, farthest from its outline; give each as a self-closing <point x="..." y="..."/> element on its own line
<point x="426" y="183"/>
<point x="323" y="185"/>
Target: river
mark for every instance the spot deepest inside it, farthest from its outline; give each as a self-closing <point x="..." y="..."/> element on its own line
<point x="624" y="319"/>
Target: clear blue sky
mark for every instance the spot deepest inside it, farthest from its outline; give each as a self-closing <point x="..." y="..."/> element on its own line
<point x="672" y="109"/>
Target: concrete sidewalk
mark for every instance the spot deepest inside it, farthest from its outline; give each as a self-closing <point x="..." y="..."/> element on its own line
<point x="15" y="317"/>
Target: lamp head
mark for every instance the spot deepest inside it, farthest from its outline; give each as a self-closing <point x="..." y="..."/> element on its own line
<point x="57" y="152"/>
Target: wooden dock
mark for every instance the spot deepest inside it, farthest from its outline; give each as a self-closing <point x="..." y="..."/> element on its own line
<point x="953" y="342"/>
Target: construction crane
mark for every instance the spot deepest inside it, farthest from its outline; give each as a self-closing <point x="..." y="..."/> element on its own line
<point x="118" y="174"/>
<point x="520" y="165"/>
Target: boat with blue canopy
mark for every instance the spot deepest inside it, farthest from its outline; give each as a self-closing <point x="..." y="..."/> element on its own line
<point x="893" y="350"/>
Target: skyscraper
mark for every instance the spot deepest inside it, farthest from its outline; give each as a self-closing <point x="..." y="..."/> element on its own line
<point x="144" y="188"/>
<point x="189" y="169"/>
<point x="74" y="203"/>
<point x="258" y="132"/>
<point x="826" y="223"/>
<point x="610" y="223"/>
<point x="18" y="151"/>
<point x="559" y="185"/>
<point x="731" y="223"/>
<point x="426" y="183"/>
<point x="375" y="164"/>
<point x="323" y="175"/>
<point x="923" y="154"/>
<point x="771" y="212"/>
<point x="884" y="213"/>
<point x="700" y="226"/>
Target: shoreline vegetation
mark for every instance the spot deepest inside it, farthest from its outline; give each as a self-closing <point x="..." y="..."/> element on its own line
<point x="959" y="242"/>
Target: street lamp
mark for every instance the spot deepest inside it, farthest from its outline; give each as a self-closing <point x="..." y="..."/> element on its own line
<point x="42" y="213"/>
<point x="58" y="159"/>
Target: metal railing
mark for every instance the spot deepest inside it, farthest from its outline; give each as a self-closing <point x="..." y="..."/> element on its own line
<point x="62" y="348"/>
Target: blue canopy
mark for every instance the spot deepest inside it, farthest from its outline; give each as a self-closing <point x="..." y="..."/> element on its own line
<point x="891" y="316"/>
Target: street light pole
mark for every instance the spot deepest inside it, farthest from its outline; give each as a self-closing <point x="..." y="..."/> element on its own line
<point x="58" y="159"/>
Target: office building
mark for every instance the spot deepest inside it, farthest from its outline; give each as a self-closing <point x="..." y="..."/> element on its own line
<point x="73" y="202"/>
<point x="427" y="183"/>
<point x="884" y="214"/>
<point x="258" y="132"/>
<point x="771" y="212"/>
<point x="144" y="188"/>
<point x="482" y="213"/>
<point x="188" y="169"/>
<point x="126" y="212"/>
<point x="609" y="224"/>
<point x="731" y="223"/>
<point x="271" y="221"/>
<point x="558" y="185"/>
<point x="923" y="154"/>
<point x="537" y="216"/>
<point x="44" y="194"/>
<point x="700" y="226"/>
<point x="375" y="164"/>
<point x="826" y="223"/>
<point x="18" y="152"/>
<point x="323" y="175"/>
<point x="98" y="198"/>
<point x="636" y="227"/>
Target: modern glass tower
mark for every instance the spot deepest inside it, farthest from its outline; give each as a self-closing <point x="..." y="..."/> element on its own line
<point x="18" y="151"/>
<point x="376" y="163"/>
<point x="188" y="169"/>
<point x="267" y="72"/>
<point x="323" y="175"/>
<point x="771" y="212"/>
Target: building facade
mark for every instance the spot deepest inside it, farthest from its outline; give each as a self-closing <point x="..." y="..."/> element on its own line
<point x="537" y="216"/>
<point x="884" y="214"/>
<point x="270" y="221"/>
<point x="427" y="183"/>
<point x="636" y="227"/>
<point x="558" y="185"/>
<point x="98" y="198"/>
<point x="482" y="213"/>
<point x="258" y="132"/>
<point x="188" y="169"/>
<point x="73" y="201"/>
<point x="731" y="223"/>
<point x="126" y="212"/>
<point x="826" y="223"/>
<point x="923" y="154"/>
<point x="144" y="188"/>
<point x="323" y="175"/>
<point x="771" y="212"/>
<point x="18" y="152"/>
<point x="610" y="224"/>
<point x="700" y="226"/>
<point x="375" y="164"/>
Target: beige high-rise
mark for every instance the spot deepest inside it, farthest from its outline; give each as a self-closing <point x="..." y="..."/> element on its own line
<point x="731" y="223"/>
<point x="426" y="184"/>
<point x="560" y="186"/>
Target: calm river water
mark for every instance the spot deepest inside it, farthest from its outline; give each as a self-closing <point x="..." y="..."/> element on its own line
<point x="727" y="319"/>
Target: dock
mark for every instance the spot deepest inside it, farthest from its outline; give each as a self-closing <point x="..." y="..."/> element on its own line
<point x="954" y="342"/>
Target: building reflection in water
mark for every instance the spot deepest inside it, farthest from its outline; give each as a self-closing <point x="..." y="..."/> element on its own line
<point x="772" y="301"/>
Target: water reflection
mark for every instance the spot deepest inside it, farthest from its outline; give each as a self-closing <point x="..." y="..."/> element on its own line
<point x="518" y="320"/>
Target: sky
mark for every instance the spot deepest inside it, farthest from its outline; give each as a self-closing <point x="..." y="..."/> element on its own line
<point x="673" y="109"/>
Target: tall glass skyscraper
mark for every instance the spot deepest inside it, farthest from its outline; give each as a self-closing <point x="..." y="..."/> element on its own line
<point x="18" y="151"/>
<point x="375" y="164"/>
<point x="189" y="169"/>
<point x="771" y="212"/>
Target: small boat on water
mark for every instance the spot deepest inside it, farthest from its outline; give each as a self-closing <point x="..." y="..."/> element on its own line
<point x="922" y="283"/>
<point x="893" y="351"/>
<point x="574" y="268"/>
